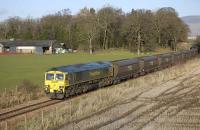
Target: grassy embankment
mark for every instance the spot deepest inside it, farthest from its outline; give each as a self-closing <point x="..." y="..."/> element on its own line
<point x="101" y="99"/>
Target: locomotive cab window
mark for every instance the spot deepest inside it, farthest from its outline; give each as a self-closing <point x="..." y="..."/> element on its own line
<point x="59" y="77"/>
<point x="49" y="76"/>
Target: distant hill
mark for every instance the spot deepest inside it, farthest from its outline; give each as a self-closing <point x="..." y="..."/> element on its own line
<point x="194" y="24"/>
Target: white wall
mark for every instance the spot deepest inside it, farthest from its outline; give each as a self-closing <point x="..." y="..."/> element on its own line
<point x="26" y="47"/>
<point x="192" y="37"/>
<point x="1" y="49"/>
<point x="29" y="49"/>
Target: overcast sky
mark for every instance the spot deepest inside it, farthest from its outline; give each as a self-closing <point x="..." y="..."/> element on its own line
<point x="39" y="8"/>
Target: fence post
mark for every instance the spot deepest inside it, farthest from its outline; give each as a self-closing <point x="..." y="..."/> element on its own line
<point x="70" y="110"/>
<point x="16" y="88"/>
<point x="42" y="119"/>
<point x="56" y="111"/>
<point x="5" y="91"/>
<point x="25" y="120"/>
<point x="6" y="125"/>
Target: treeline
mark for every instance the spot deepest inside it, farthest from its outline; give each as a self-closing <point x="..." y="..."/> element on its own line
<point x="108" y="27"/>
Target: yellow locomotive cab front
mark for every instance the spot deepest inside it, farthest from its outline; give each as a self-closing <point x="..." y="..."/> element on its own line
<point x="55" y="83"/>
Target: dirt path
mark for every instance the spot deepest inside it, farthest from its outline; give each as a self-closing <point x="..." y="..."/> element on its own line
<point x="172" y="105"/>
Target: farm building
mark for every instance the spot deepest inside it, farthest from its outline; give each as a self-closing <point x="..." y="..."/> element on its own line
<point x="29" y="46"/>
<point x="1" y="48"/>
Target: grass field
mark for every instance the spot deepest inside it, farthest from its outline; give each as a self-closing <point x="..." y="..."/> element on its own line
<point x="15" y="68"/>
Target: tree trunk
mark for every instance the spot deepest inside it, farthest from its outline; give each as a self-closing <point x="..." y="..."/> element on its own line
<point x="106" y="44"/>
<point x="104" y="38"/>
<point x="175" y="47"/>
<point x="90" y="45"/>
<point x="138" y="45"/>
<point x="159" y="40"/>
<point x="129" y="44"/>
<point x="69" y="39"/>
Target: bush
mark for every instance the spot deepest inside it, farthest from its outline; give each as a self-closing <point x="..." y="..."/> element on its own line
<point x="28" y="86"/>
<point x="26" y="91"/>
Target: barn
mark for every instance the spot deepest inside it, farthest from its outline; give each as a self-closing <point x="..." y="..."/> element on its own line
<point x="28" y="46"/>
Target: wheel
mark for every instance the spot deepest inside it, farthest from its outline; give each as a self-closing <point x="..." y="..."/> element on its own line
<point x="56" y="95"/>
<point x="51" y="95"/>
<point x="116" y="81"/>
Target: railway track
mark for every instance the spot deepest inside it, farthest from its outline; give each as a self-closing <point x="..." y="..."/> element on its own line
<point x="26" y="109"/>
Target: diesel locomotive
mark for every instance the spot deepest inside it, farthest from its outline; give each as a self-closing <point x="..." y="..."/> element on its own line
<point x="70" y="80"/>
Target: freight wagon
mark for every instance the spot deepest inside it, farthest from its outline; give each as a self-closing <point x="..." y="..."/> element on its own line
<point x="124" y="69"/>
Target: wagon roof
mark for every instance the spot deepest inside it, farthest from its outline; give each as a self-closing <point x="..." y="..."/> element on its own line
<point x="186" y="51"/>
<point x="177" y="53"/>
<point x="166" y="55"/>
<point x="82" y="67"/>
<point x="149" y="57"/>
<point x="126" y="61"/>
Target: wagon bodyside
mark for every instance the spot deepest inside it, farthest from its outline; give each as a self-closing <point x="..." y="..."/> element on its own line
<point x="149" y="63"/>
<point x="126" y="68"/>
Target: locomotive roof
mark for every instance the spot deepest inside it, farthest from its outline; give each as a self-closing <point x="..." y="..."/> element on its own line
<point x="82" y="67"/>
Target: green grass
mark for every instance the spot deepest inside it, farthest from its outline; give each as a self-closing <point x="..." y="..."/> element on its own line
<point x="15" y="68"/>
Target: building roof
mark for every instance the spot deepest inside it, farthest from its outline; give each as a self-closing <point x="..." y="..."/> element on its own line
<point x="39" y="43"/>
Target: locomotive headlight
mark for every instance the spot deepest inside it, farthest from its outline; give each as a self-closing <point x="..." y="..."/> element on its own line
<point x="47" y="86"/>
<point x="61" y="88"/>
